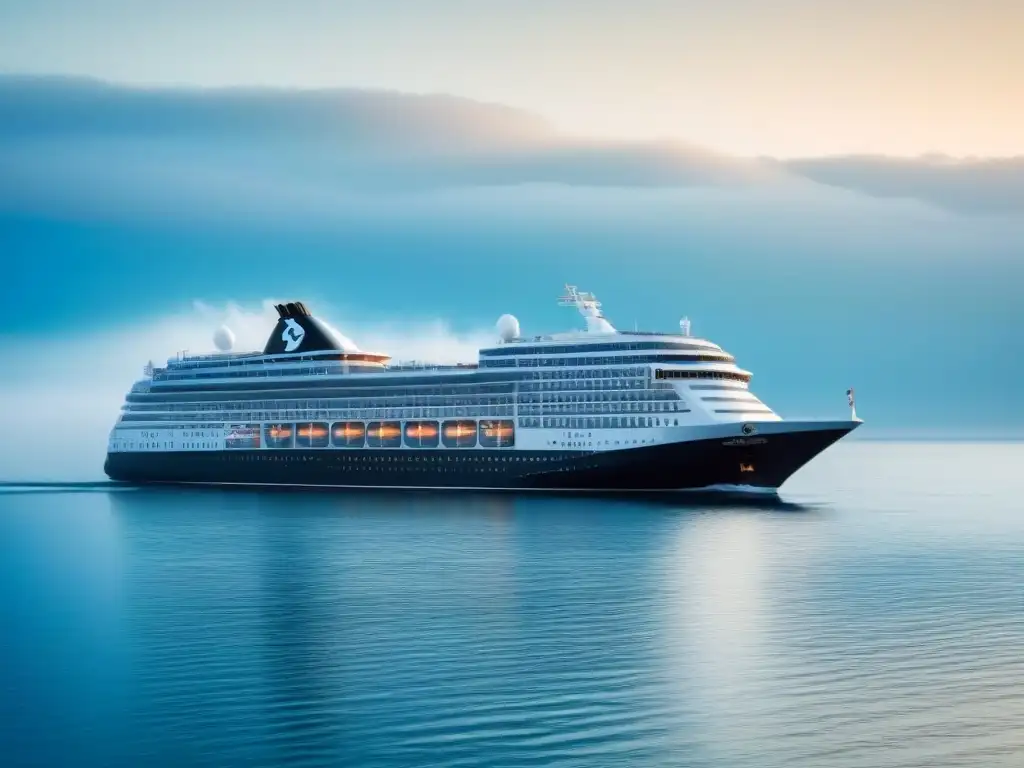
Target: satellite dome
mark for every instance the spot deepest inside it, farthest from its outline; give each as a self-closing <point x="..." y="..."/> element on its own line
<point x="508" y="328"/>
<point x="224" y="339"/>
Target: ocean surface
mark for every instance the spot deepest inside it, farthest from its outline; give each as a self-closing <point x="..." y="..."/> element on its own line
<point x="872" y="617"/>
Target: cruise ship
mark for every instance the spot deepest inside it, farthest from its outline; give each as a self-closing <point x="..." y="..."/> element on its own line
<point x="596" y="409"/>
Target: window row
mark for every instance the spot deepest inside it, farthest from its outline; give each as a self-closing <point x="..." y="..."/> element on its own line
<point x="398" y="384"/>
<point x="327" y="413"/>
<point x="685" y="374"/>
<point x="399" y="403"/>
<point x="375" y="434"/>
<point x="585" y="385"/>
<point x="263" y="372"/>
<point x="363" y="385"/>
<point x="214" y="403"/>
<point x="530" y="398"/>
<point x="559" y="349"/>
<point x="562" y="362"/>
<point x="634" y="407"/>
<point x="613" y="389"/>
<point x="584" y="373"/>
<point x="251" y="358"/>
<point x="599" y="422"/>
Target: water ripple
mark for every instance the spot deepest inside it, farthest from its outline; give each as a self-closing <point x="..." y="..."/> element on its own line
<point x="875" y="626"/>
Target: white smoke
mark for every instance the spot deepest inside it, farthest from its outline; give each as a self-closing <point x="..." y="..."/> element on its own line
<point x="59" y="398"/>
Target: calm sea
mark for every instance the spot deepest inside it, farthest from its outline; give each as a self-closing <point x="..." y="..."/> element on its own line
<point x="874" y="617"/>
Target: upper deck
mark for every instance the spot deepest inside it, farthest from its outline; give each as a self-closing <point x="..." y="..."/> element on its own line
<point x="303" y="346"/>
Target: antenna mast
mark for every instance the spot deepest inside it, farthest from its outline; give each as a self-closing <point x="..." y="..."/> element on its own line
<point x="589" y="307"/>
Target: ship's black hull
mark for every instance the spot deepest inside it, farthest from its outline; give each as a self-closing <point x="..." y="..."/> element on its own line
<point x="756" y="462"/>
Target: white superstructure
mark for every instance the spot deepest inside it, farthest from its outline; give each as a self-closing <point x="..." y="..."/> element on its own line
<point x="596" y="389"/>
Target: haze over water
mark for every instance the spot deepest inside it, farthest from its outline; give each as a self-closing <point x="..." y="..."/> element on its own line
<point x="873" y="617"/>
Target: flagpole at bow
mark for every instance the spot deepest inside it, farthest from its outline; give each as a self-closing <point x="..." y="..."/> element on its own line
<point x="853" y="403"/>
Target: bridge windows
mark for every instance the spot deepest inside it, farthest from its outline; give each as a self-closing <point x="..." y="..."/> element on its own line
<point x="676" y="373"/>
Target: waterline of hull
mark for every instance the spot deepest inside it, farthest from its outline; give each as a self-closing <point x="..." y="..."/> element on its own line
<point x="708" y="464"/>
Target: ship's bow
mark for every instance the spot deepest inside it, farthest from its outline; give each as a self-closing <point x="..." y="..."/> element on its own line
<point x="765" y="455"/>
<point x="758" y="456"/>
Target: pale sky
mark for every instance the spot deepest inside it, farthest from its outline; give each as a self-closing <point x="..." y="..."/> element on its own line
<point x="774" y="77"/>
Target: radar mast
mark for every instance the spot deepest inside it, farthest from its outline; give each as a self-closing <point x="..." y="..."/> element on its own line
<point x="589" y="307"/>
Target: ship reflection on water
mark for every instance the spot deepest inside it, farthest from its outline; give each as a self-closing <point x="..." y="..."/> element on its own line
<point x="360" y="622"/>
